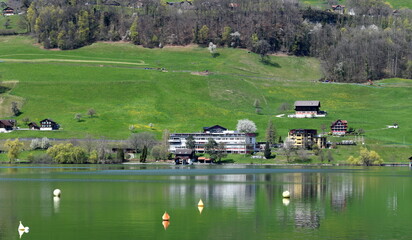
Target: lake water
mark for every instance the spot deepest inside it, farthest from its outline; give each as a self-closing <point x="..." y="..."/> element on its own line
<point x="241" y="202"/>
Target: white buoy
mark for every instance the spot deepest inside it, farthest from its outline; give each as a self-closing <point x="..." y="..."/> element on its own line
<point x="57" y="192"/>
<point x="286" y="201"/>
<point x="286" y="194"/>
<point x="22" y="229"/>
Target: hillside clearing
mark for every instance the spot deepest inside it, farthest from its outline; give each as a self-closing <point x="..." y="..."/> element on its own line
<point x="175" y="99"/>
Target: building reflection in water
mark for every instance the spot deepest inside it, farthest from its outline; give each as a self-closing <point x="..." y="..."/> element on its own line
<point x="311" y="193"/>
<point x="226" y="190"/>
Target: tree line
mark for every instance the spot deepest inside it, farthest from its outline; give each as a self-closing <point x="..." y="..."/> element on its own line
<point x="371" y="43"/>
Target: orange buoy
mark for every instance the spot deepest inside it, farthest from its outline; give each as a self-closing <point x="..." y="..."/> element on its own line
<point x="165" y="224"/>
<point x="166" y="217"/>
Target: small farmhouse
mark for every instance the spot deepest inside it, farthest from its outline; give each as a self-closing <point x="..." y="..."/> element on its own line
<point x="307" y="109"/>
<point x="8" y="11"/>
<point x="7" y="125"/>
<point x="184" y="156"/>
<point x="338" y="9"/>
<point x="339" y="127"/>
<point x="305" y="138"/>
<point x="48" y="124"/>
<point x="33" y="126"/>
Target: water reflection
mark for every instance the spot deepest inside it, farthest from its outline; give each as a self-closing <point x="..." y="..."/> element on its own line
<point x="165" y="224"/>
<point x="226" y="190"/>
<point x="310" y="193"/>
<point x="306" y="218"/>
<point x="238" y="202"/>
<point x="286" y="201"/>
<point x="56" y="204"/>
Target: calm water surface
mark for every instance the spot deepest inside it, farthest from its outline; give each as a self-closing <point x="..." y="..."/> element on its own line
<point x="241" y="202"/>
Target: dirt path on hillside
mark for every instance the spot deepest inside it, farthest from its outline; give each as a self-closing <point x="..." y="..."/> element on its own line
<point x="45" y="60"/>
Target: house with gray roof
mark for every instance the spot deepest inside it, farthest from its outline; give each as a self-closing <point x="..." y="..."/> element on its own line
<point x="307" y="109"/>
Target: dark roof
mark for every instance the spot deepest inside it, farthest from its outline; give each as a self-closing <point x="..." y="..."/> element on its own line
<point x="215" y="126"/>
<point x="8" y="8"/>
<point x="313" y="131"/>
<point x="343" y="121"/>
<point x="307" y="103"/>
<point x="183" y="152"/>
<point x="32" y="124"/>
<point x="47" y="119"/>
<point x="6" y="123"/>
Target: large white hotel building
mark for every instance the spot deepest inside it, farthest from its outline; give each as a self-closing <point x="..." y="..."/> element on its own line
<point x="235" y="142"/>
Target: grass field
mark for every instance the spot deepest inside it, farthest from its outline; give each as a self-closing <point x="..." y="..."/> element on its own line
<point x="13" y="23"/>
<point x="126" y="86"/>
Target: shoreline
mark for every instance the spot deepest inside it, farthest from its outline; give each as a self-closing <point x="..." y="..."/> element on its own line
<point x="271" y="164"/>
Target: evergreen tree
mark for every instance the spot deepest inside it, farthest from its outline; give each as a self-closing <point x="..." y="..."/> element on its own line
<point x="268" y="152"/>
<point x="271" y="133"/>
<point x="120" y="155"/>
<point x="143" y="156"/>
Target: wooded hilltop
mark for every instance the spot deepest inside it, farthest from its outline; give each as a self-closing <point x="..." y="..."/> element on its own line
<point x="371" y="43"/>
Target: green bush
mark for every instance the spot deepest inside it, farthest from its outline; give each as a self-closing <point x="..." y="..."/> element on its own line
<point x="67" y="153"/>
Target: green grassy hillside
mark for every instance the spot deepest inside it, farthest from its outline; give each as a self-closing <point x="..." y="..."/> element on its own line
<point x="123" y="84"/>
<point x="13" y="24"/>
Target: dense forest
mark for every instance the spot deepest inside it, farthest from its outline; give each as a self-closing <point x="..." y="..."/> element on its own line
<point x="372" y="42"/>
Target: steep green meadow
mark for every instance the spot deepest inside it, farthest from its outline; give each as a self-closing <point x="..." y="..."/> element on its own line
<point x="112" y="79"/>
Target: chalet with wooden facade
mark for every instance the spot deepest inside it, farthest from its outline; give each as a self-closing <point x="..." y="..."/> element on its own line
<point x="8" y="11"/>
<point x="184" y="156"/>
<point x="339" y="127"/>
<point x="7" y="125"/>
<point x="48" y="124"/>
<point x="305" y="138"/>
<point x="307" y="109"/>
<point x="235" y="142"/>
